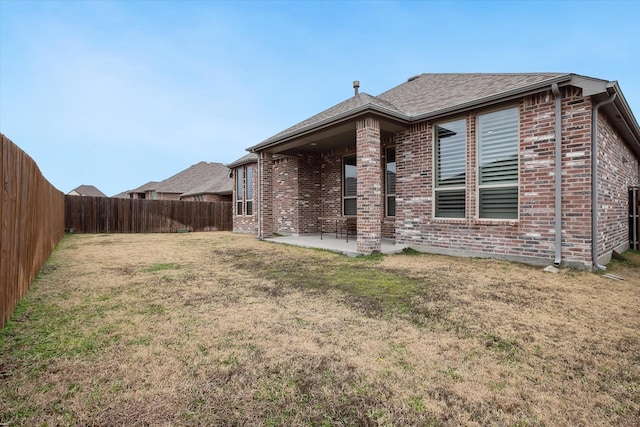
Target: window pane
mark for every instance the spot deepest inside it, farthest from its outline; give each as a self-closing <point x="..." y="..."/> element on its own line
<point x="499" y="203"/>
<point x="451" y="142"/>
<point x="350" y="180"/>
<point x="350" y="206"/>
<point x="451" y="164"/>
<point x="249" y="207"/>
<point x="450" y="203"/>
<point x="238" y="208"/>
<point x="249" y="184"/>
<point x="498" y="147"/>
<point x="239" y="184"/>
<point x="391" y="205"/>
<point x="390" y="178"/>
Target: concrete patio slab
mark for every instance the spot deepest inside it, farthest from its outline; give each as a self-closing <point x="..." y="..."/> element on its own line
<point x="332" y="243"/>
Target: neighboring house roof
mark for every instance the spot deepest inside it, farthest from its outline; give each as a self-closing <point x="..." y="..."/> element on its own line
<point x="87" y="190"/>
<point x="149" y="186"/>
<point x="221" y="184"/>
<point x="246" y="159"/>
<point x="428" y="96"/>
<point x="123" y="195"/>
<point x="203" y="177"/>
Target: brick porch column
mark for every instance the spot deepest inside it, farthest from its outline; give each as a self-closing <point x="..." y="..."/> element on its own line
<point x="370" y="184"/>
<point x="265" y="213"/>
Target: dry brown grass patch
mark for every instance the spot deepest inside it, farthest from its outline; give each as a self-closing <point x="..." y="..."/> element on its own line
<point x="221" y="329"/>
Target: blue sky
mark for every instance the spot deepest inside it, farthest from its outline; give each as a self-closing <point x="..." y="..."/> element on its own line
<point x="119" y="93"/>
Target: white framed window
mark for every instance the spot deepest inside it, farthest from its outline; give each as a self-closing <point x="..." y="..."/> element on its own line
<point x="498" y="142"/>
<point x="450" y="169"/>
<point x="239" y="191"/>
<point x="244" y="191"/>
<point x="349" y="185"/>
<point x="390" y="181"/>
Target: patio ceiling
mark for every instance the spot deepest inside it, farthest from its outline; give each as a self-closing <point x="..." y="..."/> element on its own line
<point x="331" y="137"/>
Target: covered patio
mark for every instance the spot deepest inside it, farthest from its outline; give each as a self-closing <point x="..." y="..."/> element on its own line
<point x="331" y="165"/>
<point x="332" y="243"/>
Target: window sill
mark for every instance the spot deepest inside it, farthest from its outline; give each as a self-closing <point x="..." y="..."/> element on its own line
<point x="489" y="221"/>
<point x="449" y="220"/>
<point x="477" y="221"/>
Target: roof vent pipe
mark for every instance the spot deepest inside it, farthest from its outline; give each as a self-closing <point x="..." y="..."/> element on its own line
<point x="594" y="182"/>
<point x="356" y="86"/>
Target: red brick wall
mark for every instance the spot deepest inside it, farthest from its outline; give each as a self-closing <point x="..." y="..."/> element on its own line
<point x="296" y="194"/>
<point x="246" y="223"/>
<point x="331" y="186"/>
<point x="266" y="222"/>
<point x="298" y="186"/>
<point x="370" y="185"/>
<point x="309" y="193"/>
<point x="307" y="187"/>
<point x="331" y="181"/>
<point x="576" y="177"/>
<point x="285" y="195"/>
<point x="531" y="236"/>
<point x="617" y="171"/>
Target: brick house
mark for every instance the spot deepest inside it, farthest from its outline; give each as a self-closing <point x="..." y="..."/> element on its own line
<point x="204" y="182"/>
<point x="497" y="165"/>
<point x="143" y="192"/>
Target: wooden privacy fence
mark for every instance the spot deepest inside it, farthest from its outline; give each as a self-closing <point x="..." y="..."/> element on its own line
<point x="32" y="224"/>
<point x="106" y="215"/>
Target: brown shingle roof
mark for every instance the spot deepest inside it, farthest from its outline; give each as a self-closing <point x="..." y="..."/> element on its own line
<point x="88" y="190"/>
<point x="149" y="186"/>
<point x="356" y="103"/>
<point x="428" y="93"/>
<point x="423" y="95"/>
<point x="196" y="176"/>
<point x="220" y="184"/>
<point x="123" y="195"/>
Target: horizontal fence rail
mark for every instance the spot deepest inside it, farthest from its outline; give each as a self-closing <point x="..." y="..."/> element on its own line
<point x="32" y="224"/>
<point x="113" y="215"/>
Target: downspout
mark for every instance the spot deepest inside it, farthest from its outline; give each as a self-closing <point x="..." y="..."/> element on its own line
<point x="558" y="173"/>
<point x="594" y="182"/>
